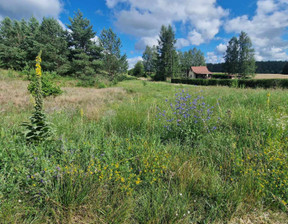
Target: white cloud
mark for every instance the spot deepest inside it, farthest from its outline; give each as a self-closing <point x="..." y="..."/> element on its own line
<point x="62" y="25"/>
<point x="211" y="57"/>
<point x="112" y="3"/>
<point x="181" y="42"/>
<point x="133" y="61"/>
<point x="195" y="38"/>
<point x="146" y="41"/>
<point x="17" y="9"/>
<point x="265" y="29"/>
<point x="99" y="12"/>
<point x="144" y="19"/>
<point x="95" y="39"/>
<point x="221" y="49"/>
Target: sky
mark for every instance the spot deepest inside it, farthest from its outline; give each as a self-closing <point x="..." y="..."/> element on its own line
<point x="205" y="24"/>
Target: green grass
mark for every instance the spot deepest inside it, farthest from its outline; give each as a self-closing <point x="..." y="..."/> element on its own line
<point x="126" y="168"/>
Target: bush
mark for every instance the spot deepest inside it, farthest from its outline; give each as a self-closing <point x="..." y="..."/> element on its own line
<point x="221" y="76"/>
<point x="138" y="70"/>
<point x="251" y="83"/>
<point x="87" y="81"/>
<point x="48" y="87"/>
<point x="186" y="118"/>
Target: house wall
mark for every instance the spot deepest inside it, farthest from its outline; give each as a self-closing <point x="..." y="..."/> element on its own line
<point x="191" y="75"/>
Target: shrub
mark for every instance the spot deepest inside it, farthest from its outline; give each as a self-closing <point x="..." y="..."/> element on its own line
<point x="87" y="81"/>
<point x="251" y="83"/>
<point x="186" y="118"/>
<point x="221" y="76"/>
<point x="48" y="87"/>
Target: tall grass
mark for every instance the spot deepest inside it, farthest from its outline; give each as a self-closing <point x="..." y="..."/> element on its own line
<point x="119" y="166"/>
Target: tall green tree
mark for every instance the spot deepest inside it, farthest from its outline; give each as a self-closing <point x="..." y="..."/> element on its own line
<point x="232" y="56"/>
<point x="52" y="40"/>
<point x="166" y="59"/>
<point x="12" y="54"/>
<point x="193" y="57"/>
<point x="138" y="70"/>
<point x="111" y="45"/>
<point x="83" y="51"/>
<point x="247" y="65"/>
<point x="124" y="64"/>
<point x="239" y="57"/>
<point x="150" y="59"/>
<point x="31" y="43"/>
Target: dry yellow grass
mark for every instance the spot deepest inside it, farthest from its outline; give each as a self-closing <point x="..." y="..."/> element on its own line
<point x="266" y="217"/>
<point x="271" y="76"/>
<point x="14" y="96"/>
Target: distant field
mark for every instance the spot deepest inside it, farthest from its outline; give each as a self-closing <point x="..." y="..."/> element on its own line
<point x="271" y="76"/>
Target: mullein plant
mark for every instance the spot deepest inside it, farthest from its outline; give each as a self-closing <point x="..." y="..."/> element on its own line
<point x="38" y="129"/>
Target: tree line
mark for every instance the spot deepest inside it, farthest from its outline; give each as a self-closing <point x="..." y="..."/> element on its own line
<point x="163" y="61"/>
<point x="268" y="67"/>
<point x="239" y="59"/>
<point x="73" y="51"/>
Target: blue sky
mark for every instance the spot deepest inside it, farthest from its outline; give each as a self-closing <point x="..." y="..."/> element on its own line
<point x="204" y="24"/>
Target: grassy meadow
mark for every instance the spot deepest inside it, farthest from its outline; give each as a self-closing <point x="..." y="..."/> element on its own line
<point x="145" y="152"/>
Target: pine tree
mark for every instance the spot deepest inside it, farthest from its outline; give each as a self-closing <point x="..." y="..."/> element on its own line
<point x="83" y="51"/>
<point x="166" y="60"/>
<point x="239" y="57"/>
<point x="111" y="45"/>
<point x="150" y="59"/>
<point x="232" y="56"/>
<point x="124" y="64"/>
<point x="11" y="36"/>
<point x="52" y="41"/>
<point x="247" y="65"/>
<point x="31" y="44"/>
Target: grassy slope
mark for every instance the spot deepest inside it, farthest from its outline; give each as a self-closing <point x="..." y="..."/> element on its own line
<point x="131" y="174"/>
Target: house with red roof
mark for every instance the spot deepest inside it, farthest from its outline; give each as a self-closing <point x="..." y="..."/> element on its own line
<point x="199" y="72"/>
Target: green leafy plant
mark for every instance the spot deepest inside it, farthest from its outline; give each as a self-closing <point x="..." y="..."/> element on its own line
<point x="38" y="129"/>
<point x="48" y="87"/>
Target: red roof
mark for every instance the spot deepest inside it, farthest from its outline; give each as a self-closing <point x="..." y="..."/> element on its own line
<point x="201" y="70"/>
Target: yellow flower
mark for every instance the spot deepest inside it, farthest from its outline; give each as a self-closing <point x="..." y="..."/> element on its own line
<point x="122" y="179"/>
<point x="138" y="181"/>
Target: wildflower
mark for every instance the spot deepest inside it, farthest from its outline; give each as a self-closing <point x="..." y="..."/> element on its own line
<point x="138" y="181"/>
